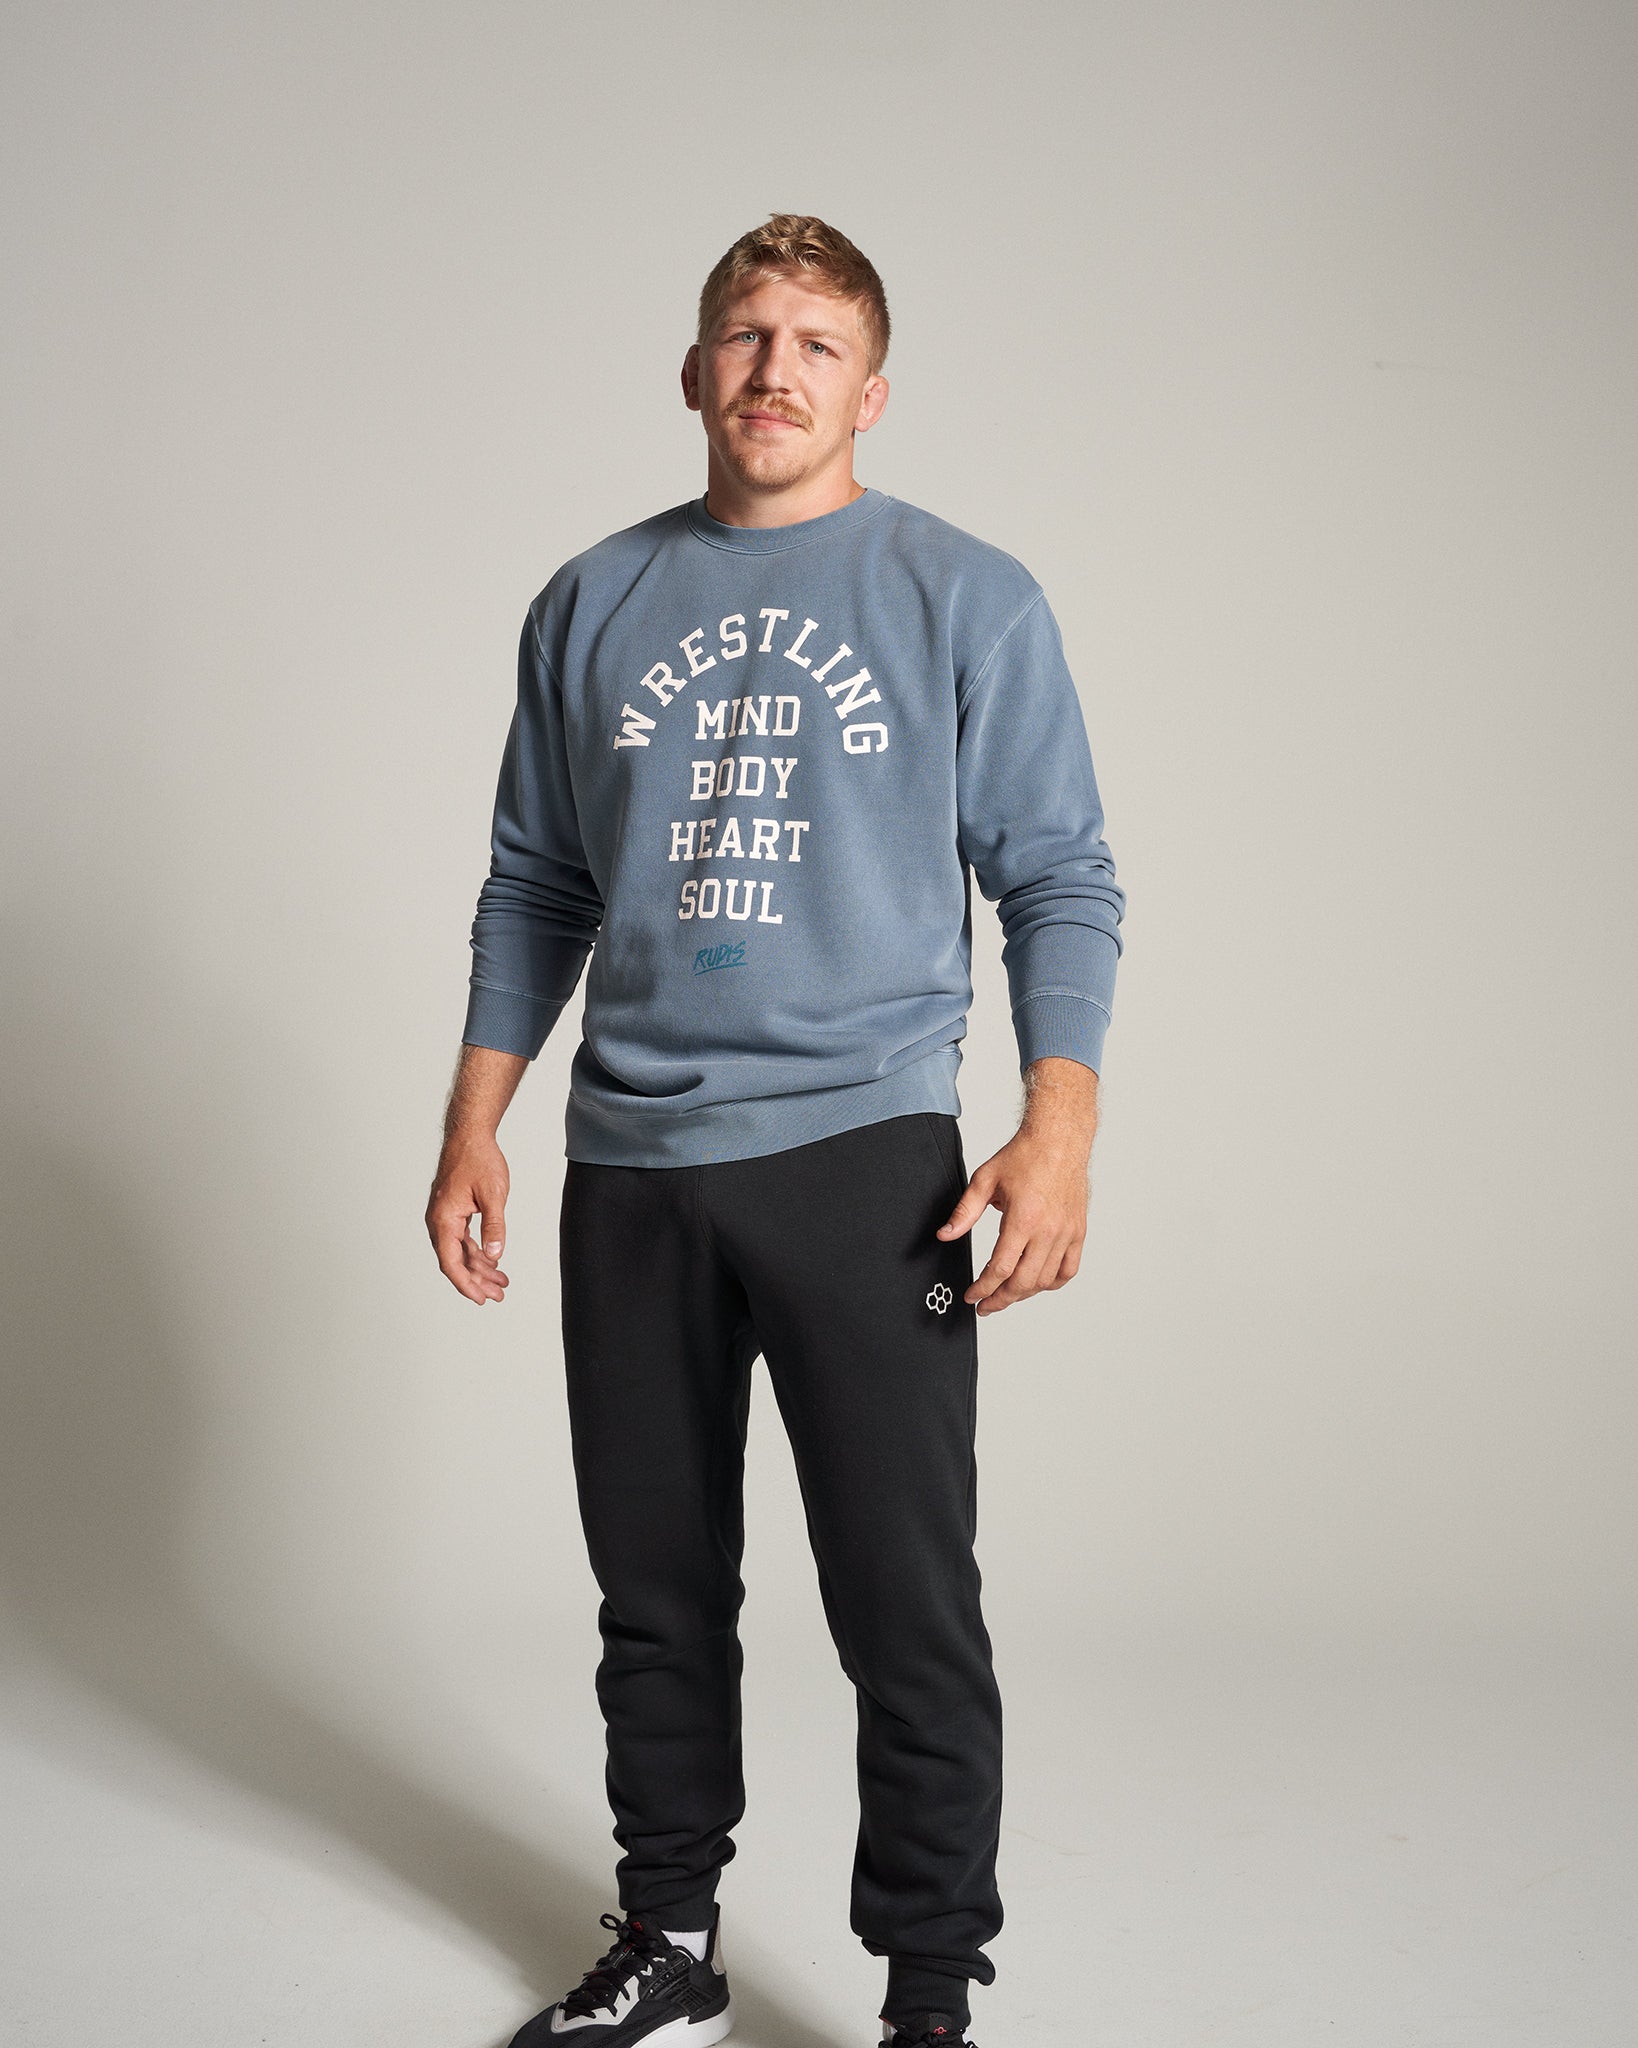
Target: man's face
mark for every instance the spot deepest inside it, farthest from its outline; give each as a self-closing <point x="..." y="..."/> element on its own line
<point x="783" y="383"/>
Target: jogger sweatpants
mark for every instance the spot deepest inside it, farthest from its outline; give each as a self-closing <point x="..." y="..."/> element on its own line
<point x="823" y="1260"/>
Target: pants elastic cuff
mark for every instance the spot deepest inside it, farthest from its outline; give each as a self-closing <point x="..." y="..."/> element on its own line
<point x="913" y="1991"/>
<point x="682" y="1916"/>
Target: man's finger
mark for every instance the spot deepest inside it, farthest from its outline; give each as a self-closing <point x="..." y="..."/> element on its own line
<point x="1026" y="1278"/>
<point x="448" y="1233"/>
<point x="493" y="1235"/>
<point x="1068" y="1264"/>
<point x="453" y="1246"/>
<point x="478" y="1257"/>
<point x="453" y="1265"/>
<point x="1019" y="1283"/>
<point x="480" y="1264"/>
<point x="1008" y="1250"/>
<point x="974" y="1201"/>
<point x="483" y="1281"/>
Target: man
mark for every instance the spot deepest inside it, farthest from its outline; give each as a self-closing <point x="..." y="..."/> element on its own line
<point x="760" y="741"/>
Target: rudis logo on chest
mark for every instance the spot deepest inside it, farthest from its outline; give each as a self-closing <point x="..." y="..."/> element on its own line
<point x="729" y="954"/>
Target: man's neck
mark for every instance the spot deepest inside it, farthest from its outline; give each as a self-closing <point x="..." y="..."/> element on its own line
<point x="736" y="504"/>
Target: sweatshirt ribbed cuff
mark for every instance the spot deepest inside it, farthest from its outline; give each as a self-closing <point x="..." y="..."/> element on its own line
<point x="1060" y="1027"/>
<point x="508" y="1021"/>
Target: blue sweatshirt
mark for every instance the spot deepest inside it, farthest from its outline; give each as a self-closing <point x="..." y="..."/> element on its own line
<point x="750" y="773"/>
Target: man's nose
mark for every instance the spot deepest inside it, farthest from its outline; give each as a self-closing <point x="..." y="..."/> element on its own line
<point x="775" y="363"/>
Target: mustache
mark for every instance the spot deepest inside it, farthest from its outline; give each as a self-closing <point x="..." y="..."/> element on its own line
<point x="772" y="406"/>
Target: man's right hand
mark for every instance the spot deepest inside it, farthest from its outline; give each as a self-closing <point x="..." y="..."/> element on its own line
<point x="472" y="1180"/>
<point x="472" y="1177"/>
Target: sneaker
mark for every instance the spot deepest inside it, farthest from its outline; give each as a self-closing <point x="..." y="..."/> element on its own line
<point x="932" y="2030"/>
<point x="645" y="1989"/>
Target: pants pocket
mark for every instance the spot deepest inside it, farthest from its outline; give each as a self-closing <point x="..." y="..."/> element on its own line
<point x="946" y="1138"/>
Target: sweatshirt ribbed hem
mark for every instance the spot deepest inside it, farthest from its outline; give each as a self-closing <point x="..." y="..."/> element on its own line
<point x="507" y="1020"/>
<point x="1060" y="1027"/>
<point x="636" y="1135"/>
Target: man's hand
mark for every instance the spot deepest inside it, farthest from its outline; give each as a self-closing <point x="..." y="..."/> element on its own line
<point x="1038" y="1182"/>
<point x="472" y="1177"/>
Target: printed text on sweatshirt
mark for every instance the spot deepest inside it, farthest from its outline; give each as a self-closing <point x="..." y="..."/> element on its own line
<point x="750" y="772"/>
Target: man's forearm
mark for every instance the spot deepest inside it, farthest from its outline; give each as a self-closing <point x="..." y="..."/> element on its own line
<point x="485" y="1082"/>
<point x="1061" y="1102"/>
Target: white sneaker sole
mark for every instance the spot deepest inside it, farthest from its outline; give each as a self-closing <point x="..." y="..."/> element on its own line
<point x="695" y="2033"/>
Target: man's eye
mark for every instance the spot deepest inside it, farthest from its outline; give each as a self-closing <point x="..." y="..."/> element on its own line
<point x="820" y="346"/>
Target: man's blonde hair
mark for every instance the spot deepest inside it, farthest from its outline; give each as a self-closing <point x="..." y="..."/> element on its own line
<point x="822" y="256"/>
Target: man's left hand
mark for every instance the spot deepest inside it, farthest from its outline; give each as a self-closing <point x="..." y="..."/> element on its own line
<point x="1038" y="1181"/>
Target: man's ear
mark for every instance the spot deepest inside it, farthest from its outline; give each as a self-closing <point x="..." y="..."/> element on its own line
<point x="691" y="377"/>
<point x="872" y="403"/>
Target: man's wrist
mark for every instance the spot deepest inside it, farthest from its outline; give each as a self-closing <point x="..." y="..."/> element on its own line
<point x="1060" y="1100"/>
<point x="485" y="1081"/>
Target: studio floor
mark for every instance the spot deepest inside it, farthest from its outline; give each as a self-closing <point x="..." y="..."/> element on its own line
<point x="1279" y="1840"/>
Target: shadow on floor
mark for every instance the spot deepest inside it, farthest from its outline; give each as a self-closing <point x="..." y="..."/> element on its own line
<point x="101" y="1440"/>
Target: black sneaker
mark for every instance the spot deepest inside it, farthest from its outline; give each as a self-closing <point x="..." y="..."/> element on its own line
<point x="645" y="1989"/>
<point x="931" y="2030"/>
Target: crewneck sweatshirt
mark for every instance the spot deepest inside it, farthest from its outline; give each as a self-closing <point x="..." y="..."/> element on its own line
<point x="751" y="772"/>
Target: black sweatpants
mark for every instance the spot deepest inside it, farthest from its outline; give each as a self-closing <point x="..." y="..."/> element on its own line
<point x="822" y="1259"/>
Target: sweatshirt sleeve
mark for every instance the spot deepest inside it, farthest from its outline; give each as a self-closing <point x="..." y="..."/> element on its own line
<point x="1031" y="825"/>
<point x="539" y="910"/>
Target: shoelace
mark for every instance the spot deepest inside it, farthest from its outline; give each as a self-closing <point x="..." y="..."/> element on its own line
<point x="633" y="1950"/>
<point x="938" y="2039"/>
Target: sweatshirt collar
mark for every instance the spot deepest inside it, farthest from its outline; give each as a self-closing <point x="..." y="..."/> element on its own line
<point x="773" y="540"/>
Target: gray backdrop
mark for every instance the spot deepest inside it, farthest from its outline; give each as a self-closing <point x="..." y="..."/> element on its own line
<point x="1292" y="348"/>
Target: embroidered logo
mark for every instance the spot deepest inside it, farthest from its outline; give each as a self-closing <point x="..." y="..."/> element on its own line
<point x="940" y="1299"/>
